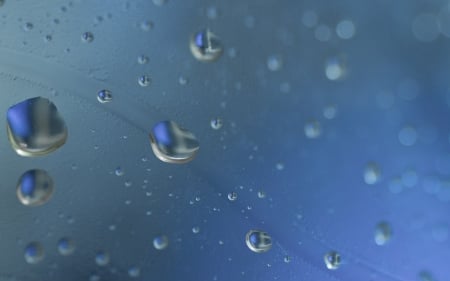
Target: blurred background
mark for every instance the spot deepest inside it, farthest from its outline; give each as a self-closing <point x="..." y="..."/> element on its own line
<point x="321" y="129"/>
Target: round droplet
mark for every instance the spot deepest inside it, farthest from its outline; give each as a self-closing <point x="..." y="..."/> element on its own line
<point x="205" y="46"/>
<point x="35" y="127"/>
<point x="87" y="37"/>
<point x="34" y="253"/>
<point x="144" y="81"/>
<point x="104" y="96"/>
<point x="258" y="241"/>
<point x="330" y="111"/>
<point x="287" y="259"/>
<point x="383" y="233"/>
<point x="332" y="260"/>
<point x="313" y="129"/>
<point x="35" y="187"/>
<point x="119" y="172"/>
<point x="195" y="229"/>
<point x="372" y="173"/>
<point x="216" y="123"/>
<point x="146" y="25"/>
<point x="160" y="242"/>
<point x="345" y="29"/>
<point x="425" y="27"/>
<point x="173" y="144"/>
<point x="102" y="258"/>
<point x="232" y="196"/>
<point x="407" y="136"/>
<point x="274" y="62"/>
<point x="134" y="272"/>
<point x="28" y="26"/>
<point x="66" y="246"/>
<point x="142" y="59"/>
<point x="335" y="69"/>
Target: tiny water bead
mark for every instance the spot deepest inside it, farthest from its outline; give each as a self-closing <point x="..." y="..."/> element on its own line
<point x="205" y="46"/>
<point x="232" y="196"/>
<point x="258" y="241"/>
<point x="119" y="172"/>
<point x="134" y="272"/>
<point x="274" y="62"/>
<point x="144" y="80"/>
<point x="287" y="259"/>
<point x="407" y="136"/>
<point x="372" y="173"/>
<point x="383" y="233"/>
<point x="104" y="96"/>
<point x="87" y="37"/>
<point x="146" y="25"/>
<point x="66" y="246"/>
<point x="335" y="68"/>
<point x="332" y="260"/>
<point x="102" y="258"/>
<point x="34" y="252"/>
<point x="261" y="194"/>
<point x="35" y="127"/>
<point x="172" y="144"/>
<point x="216" y="123"/>
<point x="195" y="229"/>
<point x="142" y="59"/>
<point x="34" y="188"/>
<point x="313" y="129"/>
<point x="160" y="242"/>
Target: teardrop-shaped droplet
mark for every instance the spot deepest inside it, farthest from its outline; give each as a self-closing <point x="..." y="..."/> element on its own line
<point x="35" y="187"/>
<point x="35" y="127"/>
<point x="173" y="144"/>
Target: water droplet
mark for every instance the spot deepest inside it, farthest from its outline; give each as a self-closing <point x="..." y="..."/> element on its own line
<point x="216" y="123"/>
<point x="261" y="194"/>
<point x="34" y="253"/>
<point x="144" y="81"/>
<point x="182" y="80"/>
<point x="322" y="33"/>
<point x="335" y="69"/>
<point x="332" y="260"/>
<point x="212" y="13"/>
<point x="330" y="111"/>
<point x="28" y="26"/>
<point x="407" y="136"/>
<point x="104" y="96"/>
<point x="274" y="62"/>
<point x="372" y="173"/>
<point x="87" y="37"/>
<point x="35" y="127"/>
<point x="287" y="259"/>
<point x="409" y="178"/>
<point x="142" y="59"/>
<point x="160" y="242"/>
<point x="383" y="233"/>
<point x="102" y="258"/>
<point x="134" y="272"/>
<point x="313" y="129"/>
<point x="146" y="25"/>
<point x="425" y="27"/>
<point x="48" y="38"/>
<point x="310" y="19"/>
<point x="66" y="246"/>
<point x="258" y="241"/>
<point x="119" y="172"/>
<point x="173" y="144"/>
<point x="345" y="29"/>
<point x="205" y="46"/>
<point x="35" y="187"/>
<point x="195" y="229"/>
<point x="232" y="196"/>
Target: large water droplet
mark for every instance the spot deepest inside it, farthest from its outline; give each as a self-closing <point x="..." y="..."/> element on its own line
<point x="332" y="260"/>
<point x="35" y="127"/>
<point x="160" y="242"/>
<point x="173" y="144"/>
<point x="34" y="252"/>
<point x="205" y="46"/>
<point x="258" y="241"/>
<point x="35" y="187"/>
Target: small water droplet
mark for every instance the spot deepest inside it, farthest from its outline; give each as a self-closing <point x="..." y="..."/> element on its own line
<point x="261" y="194"/>
<point x="119" y="172"/>
<point x="66" y="246"/>
<point x="142" y="59"/>
<point x="216" y="123"/>
<point x="330" y="111"/>
<point x="232" y="196"/>
<point x="34" y="252"/>
<point x="383" y="233"/>
<point x="102" y="258"/>
<point x="134" y="272"/>
<point x="205" y="46"/>
<point x="345" y="29"/>
<point x="274" y="62"/>
<point x="335" y="68"/>
<point x="104" y="96"/>
<point x="161" y="242"/>
<point x="195" y="229"/>
<point x="28" y="26"/>
<point x="87" y="37"/>
<point x="407" y="136"/>
<point x="372" y="173"/>
<point x="146" y="25"/>
<point x="173" y="144"/>
<point x="35" y="187"/>
<point x="144" y="81"/>
<point x="332" y="260"/>
<point x="287" y="259"/>
<point x="258" y="241"/>
<point x="313" y="129"/>
<point x="183" y="80"/>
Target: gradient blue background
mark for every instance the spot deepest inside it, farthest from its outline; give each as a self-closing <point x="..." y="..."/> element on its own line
<point x="317" y="203"/>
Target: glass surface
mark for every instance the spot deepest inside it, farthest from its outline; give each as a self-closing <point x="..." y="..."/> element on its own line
<point x="323" y="125"/>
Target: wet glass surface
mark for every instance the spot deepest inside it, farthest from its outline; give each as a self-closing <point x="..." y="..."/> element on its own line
<point x="321" y="124"/>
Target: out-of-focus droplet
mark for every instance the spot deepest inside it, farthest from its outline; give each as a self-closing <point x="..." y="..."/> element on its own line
<point x="35" y="127"/>
<point x="287" y="259"/>
<point x="407" y="136"/>
<point x="119" y="171"/>
<point x="258" y="241"/>
<point x="35" y="187"/>
<point x="426" y="276"/>
<point x="232" y="196"/>
<point x="142" y="59"/>
<point x="261" y="194"/>
<point x="28" y="26"/>
<point x="160" y="2"/>
<point x="195" y="229"/>
<point x="134" y="272"/>
<point x="34" y="252"/>
<point x="144" y="80"/>
<point x="383" y="233"/>
<point x="66" y="246"/>
<point x="104" y="96"/>
<point x="146" y="25"/>
<point x="87" y="37"/>
<point x="332" y="260"/>
<point x="274" y="62"/>
<point x="372" y="173"/>
<point x="335" y="68"/>
<point x="102" y="258"/>
<point x="216" y="123"/>
<point x="182" y="80"/>
<point x="160" y="242"/>
<point x="173" y="144"/>
<point x="206" y="46"/>
<point x="330" y="111"/>
<point x="310" y="19"/>
<point x="425" y="27"/>
<point x="345" y="29"/>
<point x="322" y="33"/>
<point x="313" y="129"/>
